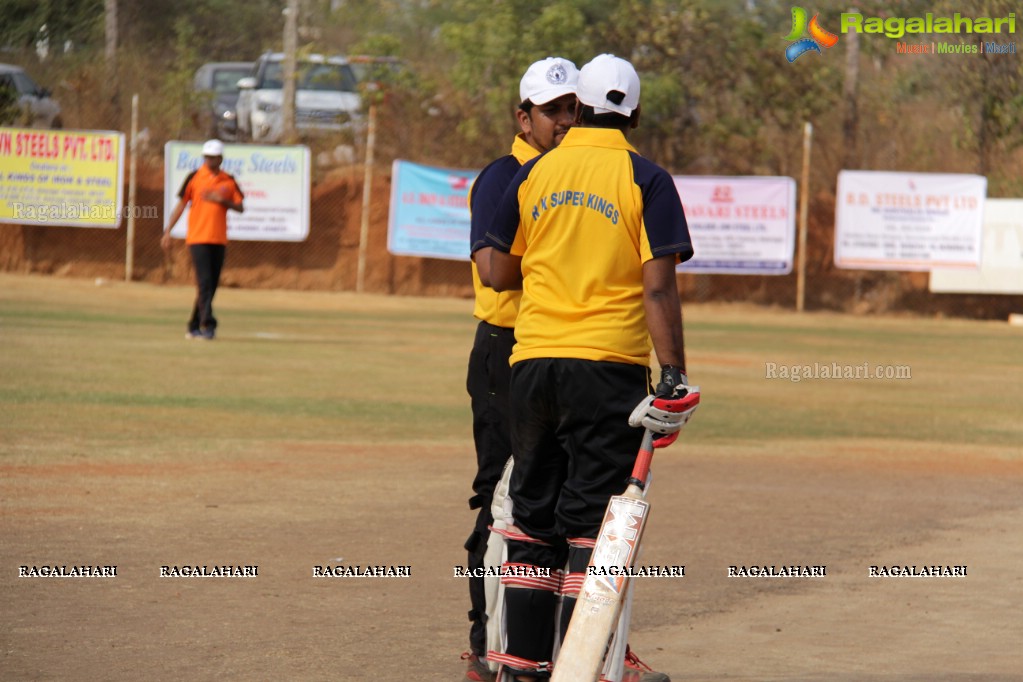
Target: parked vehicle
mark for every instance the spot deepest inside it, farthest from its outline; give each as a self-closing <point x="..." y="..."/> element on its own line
<point x="218" y="82"/>
<point x="23" y="103"/>
<point x="326" y="97"/>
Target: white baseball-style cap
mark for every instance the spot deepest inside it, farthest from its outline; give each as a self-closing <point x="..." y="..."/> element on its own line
<point x="213" y="148"/>
<point x="610" y="85"/>
<point x="548" y="79"/>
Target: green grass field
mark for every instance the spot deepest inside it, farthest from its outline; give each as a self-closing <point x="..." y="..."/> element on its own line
<point x="105" y="369"/>
<point x="324" y="428"/>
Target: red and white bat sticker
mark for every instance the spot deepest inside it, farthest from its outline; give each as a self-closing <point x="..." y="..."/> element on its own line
<point x="619" y="538"/>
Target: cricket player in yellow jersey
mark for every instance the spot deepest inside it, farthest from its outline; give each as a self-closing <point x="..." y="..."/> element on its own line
<point x="591" y="232"/>
<point x="545" y="113"/>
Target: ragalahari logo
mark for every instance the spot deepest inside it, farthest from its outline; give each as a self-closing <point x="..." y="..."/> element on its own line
<point x="808" y="36"/>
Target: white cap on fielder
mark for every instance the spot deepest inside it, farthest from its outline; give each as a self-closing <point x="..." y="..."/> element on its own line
<point x="610" y="85"/>
<point x="548" y="79"/>
<point x="213" y="148"/>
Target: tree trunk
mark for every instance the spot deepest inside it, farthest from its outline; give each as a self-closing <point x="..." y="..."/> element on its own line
<point x="851" y="119"/>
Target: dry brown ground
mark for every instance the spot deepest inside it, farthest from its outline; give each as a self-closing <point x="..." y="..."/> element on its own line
<point x="290" y="507"/>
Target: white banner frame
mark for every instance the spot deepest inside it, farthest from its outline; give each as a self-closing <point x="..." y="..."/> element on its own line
<point x="62" y="178"/>
<point x="908" y="221"/>
<point x="1001" y="262"/>
<point x="740" y="225"/>
<point x="274" y="178"/>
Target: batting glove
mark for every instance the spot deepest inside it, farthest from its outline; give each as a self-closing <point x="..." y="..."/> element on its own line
<point x="674" y="383"/>
<point x="669" y="408"/>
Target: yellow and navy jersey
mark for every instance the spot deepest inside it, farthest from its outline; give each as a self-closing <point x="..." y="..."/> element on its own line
<point x="499" y="309"/>
<point x="584" y="218"/>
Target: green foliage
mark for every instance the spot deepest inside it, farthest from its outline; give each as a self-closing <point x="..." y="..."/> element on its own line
<point x="718" y="93"/>
<point x="223" y="30"/>
<point x="185" y="101"/>
<point x="494" y="45"/>
<point x="9" y="110"/>
<point x="112" y="363"/>
<point x="24" y="22"/>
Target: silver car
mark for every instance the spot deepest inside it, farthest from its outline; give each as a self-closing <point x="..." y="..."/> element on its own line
<point x="217" y="82"/>
<point x="326" y="97"/>
<point x="23" y="103"/>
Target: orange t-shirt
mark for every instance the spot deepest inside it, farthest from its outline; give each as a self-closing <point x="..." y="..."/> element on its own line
<point x="207" y="220"/>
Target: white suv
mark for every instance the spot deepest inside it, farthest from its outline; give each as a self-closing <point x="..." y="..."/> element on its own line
<point x="326" y="97"/>
<point x="24" y="102"/>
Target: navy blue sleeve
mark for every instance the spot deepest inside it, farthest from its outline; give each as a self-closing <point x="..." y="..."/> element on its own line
<point x="666" y="226"/>
<point x="505" y="224"/>
<point x="188" y="179"/>
<point x="236" y="185"/>
<point x="486" y="195"/>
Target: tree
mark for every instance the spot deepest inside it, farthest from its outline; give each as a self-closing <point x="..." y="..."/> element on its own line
<point x="987" y="89"/>
<point x="26" y="23"/>
<point x="9" y="109"/>
<point x="493" y="44"/>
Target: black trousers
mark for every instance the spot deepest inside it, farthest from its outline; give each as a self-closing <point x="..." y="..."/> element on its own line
<point x="208" y="261"/>
<point x="573" y="445"/>
<point x="574" y="449"/>
<point x="488" y="383"/>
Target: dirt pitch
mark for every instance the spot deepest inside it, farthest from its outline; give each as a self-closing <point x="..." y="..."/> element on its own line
<point x="293" y="504"/>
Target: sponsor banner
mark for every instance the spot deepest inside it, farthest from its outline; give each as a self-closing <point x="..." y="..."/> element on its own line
<point x="429" y="213"/>
<point x="71" y="178"/>
<point x="740" y="225"/>
<point x="274" y="178"/>
<point x="1001" y="259"/>
<point x="908" y="221"/>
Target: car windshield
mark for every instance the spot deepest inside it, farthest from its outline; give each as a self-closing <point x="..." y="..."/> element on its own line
<point x="22" y="83"/>
<point x="226" y="80"/>
<point x="312" y="76"/>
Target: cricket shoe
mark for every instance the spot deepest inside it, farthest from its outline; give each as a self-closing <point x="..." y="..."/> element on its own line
<point x="638" y="671"/>
<point x="476" y="669"/>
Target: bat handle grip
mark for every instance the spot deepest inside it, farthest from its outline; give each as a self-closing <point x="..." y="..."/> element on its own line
<point x="643" y="459"/>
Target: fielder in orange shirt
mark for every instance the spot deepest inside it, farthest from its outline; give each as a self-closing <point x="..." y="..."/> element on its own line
<point x="211" y="192"/>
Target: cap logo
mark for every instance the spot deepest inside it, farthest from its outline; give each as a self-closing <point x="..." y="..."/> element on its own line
<point x="556" y="75"/>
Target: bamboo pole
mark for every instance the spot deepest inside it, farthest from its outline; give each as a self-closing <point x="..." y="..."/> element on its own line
<point x="804" y="203"/>
<point x="129" y="247"/>
<point x="367" y="186"/>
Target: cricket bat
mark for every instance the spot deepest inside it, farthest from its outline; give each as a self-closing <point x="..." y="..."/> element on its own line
<point x="604" y="589"/>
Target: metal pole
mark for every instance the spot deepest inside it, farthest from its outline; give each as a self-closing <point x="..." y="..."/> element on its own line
<point x="367" y="184"/>
<point x="288" y="69"/>
<point x="129" y="256"/>
<point x="804" y="203"/>
<point x="110" y="52"/>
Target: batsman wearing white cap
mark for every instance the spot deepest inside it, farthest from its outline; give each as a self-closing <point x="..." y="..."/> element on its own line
<point x="591" y="233"/>
<point x="545" y="113"/>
